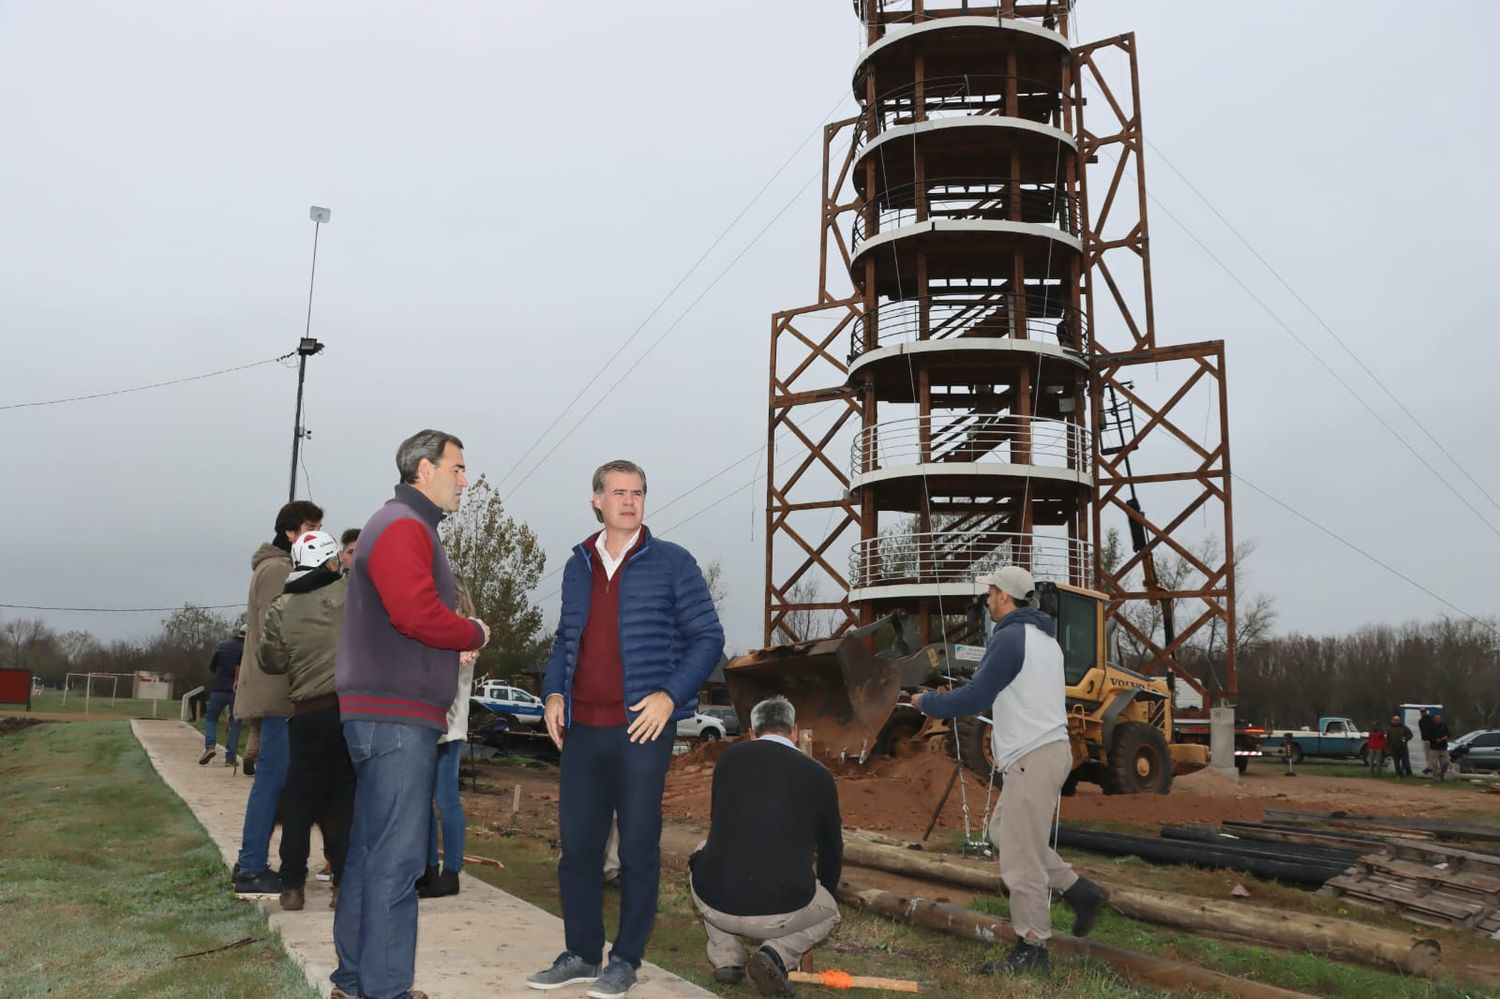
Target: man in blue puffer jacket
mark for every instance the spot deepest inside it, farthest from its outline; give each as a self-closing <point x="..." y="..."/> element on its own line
<point x="637" y="639"/>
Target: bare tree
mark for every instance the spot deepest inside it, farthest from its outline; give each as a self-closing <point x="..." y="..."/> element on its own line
<point x="21" y="636"/>
<point x="713" y="575"/>
<point x="808" y="621"/>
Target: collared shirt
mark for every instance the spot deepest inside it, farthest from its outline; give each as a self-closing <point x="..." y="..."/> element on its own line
<point x="611" y="564"/>
<point x="774" y="737"/>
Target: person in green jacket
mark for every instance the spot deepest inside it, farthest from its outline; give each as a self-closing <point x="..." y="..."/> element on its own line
<point x="300" y="637"/>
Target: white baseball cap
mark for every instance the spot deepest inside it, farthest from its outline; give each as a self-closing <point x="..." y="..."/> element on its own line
<point x="1011" y="579"/>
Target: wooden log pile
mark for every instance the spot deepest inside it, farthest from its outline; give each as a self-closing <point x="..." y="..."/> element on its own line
<point x="1342" y="939"/>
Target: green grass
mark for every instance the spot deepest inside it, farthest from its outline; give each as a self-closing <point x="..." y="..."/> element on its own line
<point x="107" y="880"/>
<point x="121" y="707"/>
<point x="863" y="944"/>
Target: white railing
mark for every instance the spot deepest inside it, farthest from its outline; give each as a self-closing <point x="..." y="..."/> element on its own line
<point x="1001" y="315"/>
<point x="987" y="439"/>
<point x="958" y="556"/>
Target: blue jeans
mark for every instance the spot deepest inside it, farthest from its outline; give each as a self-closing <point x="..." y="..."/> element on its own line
<point x="604" y="777"/>
<point x="217" y="702"/>
<point x="446" y="802"/>
<point x="375" y="926"/>
<point x="265" y="796"/>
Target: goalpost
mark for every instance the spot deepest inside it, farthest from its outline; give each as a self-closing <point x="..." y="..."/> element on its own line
<point x="88" y="686"/>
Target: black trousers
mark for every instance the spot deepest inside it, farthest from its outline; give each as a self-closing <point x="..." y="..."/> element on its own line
<point x="319" y="780"/>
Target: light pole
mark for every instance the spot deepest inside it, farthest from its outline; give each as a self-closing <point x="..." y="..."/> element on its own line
<point x="307" y="347"/>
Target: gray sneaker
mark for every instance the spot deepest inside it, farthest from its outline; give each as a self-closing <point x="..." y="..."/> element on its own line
<point x="618" y="977"/>
<point x="568" y="969"/>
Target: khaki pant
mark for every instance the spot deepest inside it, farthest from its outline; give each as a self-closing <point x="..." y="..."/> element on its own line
<point x="789" y="934"/>
<point x="1021" y="830"/>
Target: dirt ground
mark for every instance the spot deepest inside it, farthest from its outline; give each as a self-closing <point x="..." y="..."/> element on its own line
<point x="898" y="796"/>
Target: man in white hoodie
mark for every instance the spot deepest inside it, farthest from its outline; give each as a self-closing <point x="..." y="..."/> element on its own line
<point x="1020" y="681"/>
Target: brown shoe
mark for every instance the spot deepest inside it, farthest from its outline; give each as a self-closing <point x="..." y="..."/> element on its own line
<point x="333" y="899"/>
<point x="208" y="754"/>
<point x="292" y="899"/>
<point x="339" y="993"/>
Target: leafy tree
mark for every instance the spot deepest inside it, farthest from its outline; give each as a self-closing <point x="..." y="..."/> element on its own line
<point x="500" y="560"/>
<point x="186" y="643"/>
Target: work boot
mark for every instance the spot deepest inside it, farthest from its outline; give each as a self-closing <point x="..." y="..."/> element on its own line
<point x="1024" y="958"/>
<point x="444" y="884"/>
<point x="1028" y="958"/>
<point x="293" y="899"/>
<point x="732" y="975"/>
<point x="425" y="882"/>
<point x="767" y="971"/>
<point x="249" y="767"/>
<point x="208" y="754"/>
<point x="339" y="993"/>
<point x="1087" y="899"/>
<point x="333" y="898"/>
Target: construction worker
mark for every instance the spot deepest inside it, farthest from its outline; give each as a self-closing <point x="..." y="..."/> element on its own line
<point x="1439" y="758"/>
<point x="772" y="809"/>
<point x="1020" y="680"/>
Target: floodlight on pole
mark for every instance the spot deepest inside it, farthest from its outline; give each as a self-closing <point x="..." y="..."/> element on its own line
<point x="307" y="347"/>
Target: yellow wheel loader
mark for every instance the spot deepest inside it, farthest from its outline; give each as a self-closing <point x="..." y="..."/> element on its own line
<point x="855" y="700"/>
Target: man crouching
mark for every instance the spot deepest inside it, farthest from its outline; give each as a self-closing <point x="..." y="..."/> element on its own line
<point x="771" y="809"/>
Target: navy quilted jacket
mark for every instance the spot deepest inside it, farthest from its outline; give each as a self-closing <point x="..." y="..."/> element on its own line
<point x="670" y="636"/>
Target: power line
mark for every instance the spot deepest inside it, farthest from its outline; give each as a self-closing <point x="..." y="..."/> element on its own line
<point x="143" y="388"/>
<point x="664" y="334"/>
<point x="1324" y="323"/>
<point x="1286" y="327"/>
<point x="664" y="299"/>
<point x="1360" y="551"/>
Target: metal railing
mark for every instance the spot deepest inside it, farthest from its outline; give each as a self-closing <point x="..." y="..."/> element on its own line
<point x="981" y="198"/>
<point x="999" y="315"/>
<point x="968" y="438"/>
<point x="957" y="557"/>
<point x="961" y="96"/>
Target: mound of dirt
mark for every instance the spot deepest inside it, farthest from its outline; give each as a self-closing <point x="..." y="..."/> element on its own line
<point x="18" y="723"/>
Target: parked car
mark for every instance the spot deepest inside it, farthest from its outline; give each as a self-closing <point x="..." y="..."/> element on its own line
<point x="521" y="707"/>
<point x="1334" y="738"/>
<point x="1478" y="750"/>
<point x="726" y="715"/>
<point x="700" y="726"/>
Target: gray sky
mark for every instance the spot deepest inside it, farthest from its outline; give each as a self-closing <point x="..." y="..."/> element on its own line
<point x="514" y="190"/>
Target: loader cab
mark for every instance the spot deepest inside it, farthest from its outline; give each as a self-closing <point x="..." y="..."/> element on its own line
<point x="1077" y="613"/>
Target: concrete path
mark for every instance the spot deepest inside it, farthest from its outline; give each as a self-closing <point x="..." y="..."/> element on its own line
<point x="482" y="942"/>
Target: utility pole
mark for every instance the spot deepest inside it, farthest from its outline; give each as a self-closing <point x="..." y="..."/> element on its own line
<point x="307" y="347"/>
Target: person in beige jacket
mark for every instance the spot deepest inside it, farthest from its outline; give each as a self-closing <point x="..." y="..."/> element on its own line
<point x="263" y="699"/>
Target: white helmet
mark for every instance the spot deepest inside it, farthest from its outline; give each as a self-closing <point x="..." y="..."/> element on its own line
<point x="313" y="549"/>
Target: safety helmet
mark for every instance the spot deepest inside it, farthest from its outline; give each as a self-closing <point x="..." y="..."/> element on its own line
<point x="314" y="548"/>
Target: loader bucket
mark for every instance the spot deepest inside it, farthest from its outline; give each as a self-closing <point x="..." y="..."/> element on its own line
<point x="842" y="692"/>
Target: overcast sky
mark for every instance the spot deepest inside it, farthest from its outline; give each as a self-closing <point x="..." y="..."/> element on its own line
<point x="515" y="187"/>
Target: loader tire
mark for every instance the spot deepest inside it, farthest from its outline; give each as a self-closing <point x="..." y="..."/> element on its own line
<point x="1139" y="761"/>
<point x="975" y="747"/>
<point x="897" y="736"/>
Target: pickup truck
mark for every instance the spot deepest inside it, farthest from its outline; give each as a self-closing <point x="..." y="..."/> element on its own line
<point x="516" y="706"/>
<point x="1334" y="738"/>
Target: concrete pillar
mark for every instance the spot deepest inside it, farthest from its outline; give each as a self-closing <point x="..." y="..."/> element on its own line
<point x="1221" y="740"/>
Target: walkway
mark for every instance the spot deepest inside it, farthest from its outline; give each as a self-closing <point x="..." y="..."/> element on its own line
<point x="482" y="942"/>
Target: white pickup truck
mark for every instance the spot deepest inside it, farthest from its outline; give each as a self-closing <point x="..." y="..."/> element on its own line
<point x="520" y="707"/>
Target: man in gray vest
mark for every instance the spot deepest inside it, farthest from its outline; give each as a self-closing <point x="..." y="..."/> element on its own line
<point x="396" y="673"/>
<point x="1020" y="681"/>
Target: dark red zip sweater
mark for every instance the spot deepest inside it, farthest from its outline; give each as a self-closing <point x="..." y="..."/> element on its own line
<point x="599" y="683"/>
